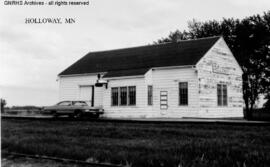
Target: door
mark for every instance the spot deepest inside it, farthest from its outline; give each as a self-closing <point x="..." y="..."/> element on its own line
<point x="98" y="96"/>
<point x="86" y="93"/>
<point x="163" y="101"/>
<point x="64" y="107"/>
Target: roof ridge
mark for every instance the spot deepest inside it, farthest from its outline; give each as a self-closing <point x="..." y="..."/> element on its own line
<point x="197" y="39"/>
<point x="141" y="46"/>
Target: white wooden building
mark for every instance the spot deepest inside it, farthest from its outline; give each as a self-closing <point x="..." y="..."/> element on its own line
<point x="191" y="78"/>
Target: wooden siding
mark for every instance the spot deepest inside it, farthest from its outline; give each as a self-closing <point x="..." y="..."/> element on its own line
<point x="162" y="80"/>
<point x="168" y="80"/>
<point x="219" y="66"/>
<point x="139" y="110"/>
<point x="69" y="88"/>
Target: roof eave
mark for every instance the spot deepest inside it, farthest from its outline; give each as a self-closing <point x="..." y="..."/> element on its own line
<point x="124" y="77"/>
<point x="83" y="74"/>
<point x="173" y="67"/>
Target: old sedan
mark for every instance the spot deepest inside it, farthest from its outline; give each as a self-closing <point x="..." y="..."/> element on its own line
<point x="73" y="109"/>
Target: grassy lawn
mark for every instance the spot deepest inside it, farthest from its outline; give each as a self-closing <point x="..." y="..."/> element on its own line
<point x="29" y="162"/>
<point x="141" y="144"/>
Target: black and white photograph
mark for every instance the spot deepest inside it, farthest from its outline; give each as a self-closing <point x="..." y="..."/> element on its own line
<point x="141" y="83"/>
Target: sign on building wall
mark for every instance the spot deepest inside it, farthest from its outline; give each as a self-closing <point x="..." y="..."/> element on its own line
<point x="218" y="69"/>
<point x="163" y="100"/>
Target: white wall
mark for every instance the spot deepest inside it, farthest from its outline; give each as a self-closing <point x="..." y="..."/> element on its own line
<point x="168" y="80"/>
<point x="220" y="66"/>
<point x="202" y="91"/>
<point x="69" y="90"/>
<point x="69" y="87"/>
<point x="161" y="79"/>
<point x="139" y="110"/>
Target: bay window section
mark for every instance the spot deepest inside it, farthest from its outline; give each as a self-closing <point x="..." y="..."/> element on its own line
<point x="123" y="96"/>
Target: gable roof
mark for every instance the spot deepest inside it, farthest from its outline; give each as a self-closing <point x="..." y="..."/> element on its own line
<point x="138" y="60"/>
<point x="128" y="72"/>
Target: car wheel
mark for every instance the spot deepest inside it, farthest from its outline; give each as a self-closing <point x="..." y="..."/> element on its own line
<point x="54" y="114"/>
<point x="77" y="114"/>
<point x="95" y="116"/>
<point x="71" y="115"/>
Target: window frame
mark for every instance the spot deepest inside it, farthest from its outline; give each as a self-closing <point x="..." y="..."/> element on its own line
<point x="69" y="103"/>
<point x="112" y="96"/>
<point x="180" y="102"/>
<point x="150" y="95"/>
<point x="81" y="103"/>
<point x="127" y="95"/>
<point x="222" y="95"/>
<point x="120" y="103"/>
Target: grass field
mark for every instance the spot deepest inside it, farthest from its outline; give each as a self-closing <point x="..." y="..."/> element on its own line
<point x="29" y="162"/>
<point x="141" y="144"/>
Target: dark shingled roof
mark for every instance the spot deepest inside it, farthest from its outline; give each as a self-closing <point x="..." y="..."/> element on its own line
<point x="137" y="60"/>
<point x="129" y="72"/>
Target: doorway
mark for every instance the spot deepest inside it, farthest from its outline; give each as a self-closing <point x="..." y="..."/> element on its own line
<point x="86" y="93"/>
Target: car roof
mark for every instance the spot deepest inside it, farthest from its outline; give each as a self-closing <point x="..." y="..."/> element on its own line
<point x="72" y="101"/>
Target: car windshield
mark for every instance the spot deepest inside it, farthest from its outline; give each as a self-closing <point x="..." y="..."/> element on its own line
<point x="63" y="103"/>
<point x="80" y="103"/>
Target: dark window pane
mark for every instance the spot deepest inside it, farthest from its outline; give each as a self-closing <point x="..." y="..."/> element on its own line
<point x="132" y="95"/>
<point x="183" y="93"/>
<point x="114" y="96"/>
<point x="150" y="95"/>
<point x="123" y="95"/>
<point x="224" y="95"/>
<point x="219" y="95"/>
<point x="65" y="103"/>
<point x="80" y="103"/>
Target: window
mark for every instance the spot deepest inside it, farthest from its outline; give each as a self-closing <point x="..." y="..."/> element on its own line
<point x="64" y="103"/>
<point x="123" y="95"/>
<point x="222" y="95"/>
<point x="132" y="95"/>
<point x="150" y="95"/>
<point x="114" y="96"/>
<point x="80" y="103"/>
<point x="183" y="93"/>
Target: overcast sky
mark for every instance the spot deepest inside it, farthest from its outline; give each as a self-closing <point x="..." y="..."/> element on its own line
<point x="32" y="55"/>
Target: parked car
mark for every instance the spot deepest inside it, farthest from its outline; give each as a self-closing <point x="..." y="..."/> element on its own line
<point x="73" y="109"/>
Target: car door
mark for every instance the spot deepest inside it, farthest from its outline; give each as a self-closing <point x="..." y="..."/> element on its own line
<point x="64" y="107"/>
<point x="79" y="105"/>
